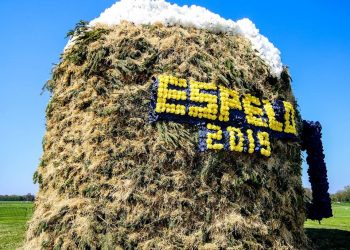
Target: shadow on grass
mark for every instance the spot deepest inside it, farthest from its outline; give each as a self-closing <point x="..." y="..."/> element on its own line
<point x="326" y="239"/>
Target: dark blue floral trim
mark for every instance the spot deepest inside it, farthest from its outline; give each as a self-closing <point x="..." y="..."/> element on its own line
<point x="203" y="132"/>
<point x="320" y="207"/>
<point x="237" y="117"/>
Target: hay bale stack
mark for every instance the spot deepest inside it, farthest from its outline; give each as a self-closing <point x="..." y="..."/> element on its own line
<point x="110" y="179"/>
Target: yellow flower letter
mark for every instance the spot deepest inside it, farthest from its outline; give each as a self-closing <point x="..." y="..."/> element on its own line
<point x="229" y="100"/>
<point x="264" y="140"/>
<point x="210" y="111"/>
<point x="253" y="113"/>
<point x="164" y="94"/>
<point x="214" y="136"/>
<point x="289" y="116"/>
<point x="234" y="134"/>
<point x="273" y="123"/>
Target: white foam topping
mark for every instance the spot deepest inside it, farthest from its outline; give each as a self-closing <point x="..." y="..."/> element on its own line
<point x="153" y="11"/>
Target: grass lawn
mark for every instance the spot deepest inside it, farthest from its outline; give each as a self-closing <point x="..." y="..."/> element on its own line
<point x="13" y="219"/>
<point x="332" y="233"/>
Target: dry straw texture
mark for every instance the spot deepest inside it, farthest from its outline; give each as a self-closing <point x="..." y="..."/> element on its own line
<point x="110" y="180"/>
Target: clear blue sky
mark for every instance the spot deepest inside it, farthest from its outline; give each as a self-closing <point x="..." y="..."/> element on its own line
<point x="314" y="37"/>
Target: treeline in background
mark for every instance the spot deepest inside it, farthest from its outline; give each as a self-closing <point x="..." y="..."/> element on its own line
<point x="342" y="196"/>
<point x="27" y="197"/>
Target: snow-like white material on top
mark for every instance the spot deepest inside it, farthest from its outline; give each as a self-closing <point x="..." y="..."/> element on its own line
<point x="152" y="11"/>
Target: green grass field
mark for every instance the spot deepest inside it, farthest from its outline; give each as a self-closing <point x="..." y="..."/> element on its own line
<point x="332" y="233"/>
<point x="13" y="219"/>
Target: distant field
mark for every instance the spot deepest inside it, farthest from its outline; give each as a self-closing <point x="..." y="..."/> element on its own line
<point x="13" y="218"/>
<point x="332" y="233"/>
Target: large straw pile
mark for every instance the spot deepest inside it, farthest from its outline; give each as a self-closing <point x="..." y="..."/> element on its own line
<point x="110" y="180"/>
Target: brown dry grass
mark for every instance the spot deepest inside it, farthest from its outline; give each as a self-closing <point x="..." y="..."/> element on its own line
<point x="110" y="180"/>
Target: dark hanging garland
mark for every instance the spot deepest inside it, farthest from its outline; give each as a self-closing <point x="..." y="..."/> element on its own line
<point x="320" y="207"/>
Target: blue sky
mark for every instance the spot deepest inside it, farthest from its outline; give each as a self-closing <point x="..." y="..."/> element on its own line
<point x="313" y="36"/>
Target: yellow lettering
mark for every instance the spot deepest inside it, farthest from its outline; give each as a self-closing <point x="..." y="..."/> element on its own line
<point x="273" y="123"/>
<point x="211" y="109"/>
<point x="289" y="116"/>
<point x="229" y="99"/>
<point x="251" y="141"/>
<point x="264" y="140"/>
<point x="236" y="133"/>
<point x="214" y="136"/>
<point x="253" y="113"/>
<point x="164" y="94"/>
